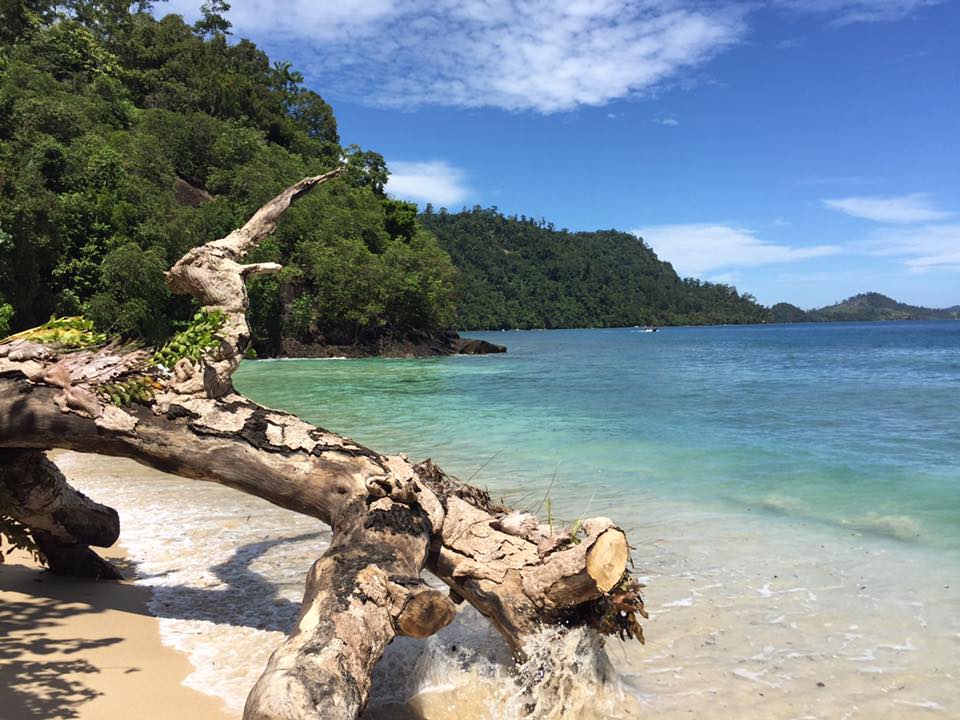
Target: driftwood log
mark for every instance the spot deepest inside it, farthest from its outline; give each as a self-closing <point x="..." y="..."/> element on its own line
<point x="390" y="518"/>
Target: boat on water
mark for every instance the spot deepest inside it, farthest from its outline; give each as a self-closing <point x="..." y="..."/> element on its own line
<point x="649" y="328"/>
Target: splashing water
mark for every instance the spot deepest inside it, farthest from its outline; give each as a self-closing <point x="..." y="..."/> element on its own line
<point x="567" y="674"/>
<point x="466" y="671"/>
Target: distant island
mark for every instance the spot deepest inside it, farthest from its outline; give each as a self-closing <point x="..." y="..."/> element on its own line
<point x="865" y="307"/>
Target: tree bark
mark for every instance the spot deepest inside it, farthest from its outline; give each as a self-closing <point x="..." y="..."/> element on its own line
<point x="390" y="518"/>
<point x="63" y="522"/>
<point x="363" y="592"/>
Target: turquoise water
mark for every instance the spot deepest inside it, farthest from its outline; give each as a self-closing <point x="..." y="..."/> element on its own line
<point x="852" y="425"/>
<point x="792" y="495"/>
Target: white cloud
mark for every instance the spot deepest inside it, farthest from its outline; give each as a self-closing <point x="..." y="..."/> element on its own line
<point x="430" y="182"/>
<point x="668" y="120"/>
<point x="297" y="18"/>
<point x="898" y="209"/>
<point x="541" y="55"/>
<point x="697" y="249"/>
<point x="934" y="247"/>
<point x="848" y="12"/>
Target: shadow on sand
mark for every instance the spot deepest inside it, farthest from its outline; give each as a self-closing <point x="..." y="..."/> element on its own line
<point x="44" y="676"/>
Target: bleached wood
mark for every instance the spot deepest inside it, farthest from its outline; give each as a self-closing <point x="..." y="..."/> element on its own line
<point x="390" y="518"/>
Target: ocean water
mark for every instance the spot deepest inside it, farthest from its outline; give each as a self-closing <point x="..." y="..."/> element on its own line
<point x="792" y="494"/>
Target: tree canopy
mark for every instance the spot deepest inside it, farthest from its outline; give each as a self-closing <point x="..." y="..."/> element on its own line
<point x="126" y="139"/>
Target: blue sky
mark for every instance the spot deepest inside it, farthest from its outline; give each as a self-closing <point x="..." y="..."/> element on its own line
<point x="802" y="150"/>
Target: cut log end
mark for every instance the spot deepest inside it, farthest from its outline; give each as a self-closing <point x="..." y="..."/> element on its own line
<point x="425" y="613"/>
<point x="607" y="559"/>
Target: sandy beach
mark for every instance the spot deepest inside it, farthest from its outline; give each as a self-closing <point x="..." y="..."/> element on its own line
<point x="780" y="634"/>
<point x="87" y="651"/>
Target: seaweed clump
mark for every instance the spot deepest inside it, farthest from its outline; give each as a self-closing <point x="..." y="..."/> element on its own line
<point x="616" y="612"/>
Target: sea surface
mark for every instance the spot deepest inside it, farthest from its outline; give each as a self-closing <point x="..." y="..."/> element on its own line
<point x="791" y="492"/>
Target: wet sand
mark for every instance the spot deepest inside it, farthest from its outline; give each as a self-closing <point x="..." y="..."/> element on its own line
<point x="87" y="650"/>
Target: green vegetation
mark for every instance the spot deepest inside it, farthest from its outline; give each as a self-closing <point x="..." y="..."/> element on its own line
<point x="192" y="341"/>
<point x="864" y="307"/>
<point x="126" y="140"/>
<point x="787" y="313"/>
<point x="66" y="332"/>
<point x="874" y="306"/>
<point x="517" y="272"/>
<point x="137" y="388"/>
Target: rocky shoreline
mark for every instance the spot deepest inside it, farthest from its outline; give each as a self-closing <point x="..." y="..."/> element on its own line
<point x="415" y="344"/>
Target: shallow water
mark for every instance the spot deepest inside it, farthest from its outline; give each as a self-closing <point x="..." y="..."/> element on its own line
<point x="792" y="492"/>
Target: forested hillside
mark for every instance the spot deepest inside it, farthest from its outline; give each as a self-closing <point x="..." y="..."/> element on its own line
<point x="125" y="140"/>
<point x="517" y="272"/>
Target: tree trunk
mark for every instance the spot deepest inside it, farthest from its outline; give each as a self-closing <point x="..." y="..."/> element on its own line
<point x="63" y="522"/>
<point x="390" y="518"/>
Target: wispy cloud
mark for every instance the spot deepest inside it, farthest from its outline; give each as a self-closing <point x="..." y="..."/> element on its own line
<point x="697" y="249"/>
<point x="790" y="43"/>
<point x="913" y="208"/>
<point x="430" y="182"/>
<point x="542" y="55"/>
<point x="933" y="247"/>
<point x="668" y="120"/>
<point x="848" y="12"/>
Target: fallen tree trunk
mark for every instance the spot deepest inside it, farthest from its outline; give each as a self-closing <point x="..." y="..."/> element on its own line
<point x="176" y="410"/>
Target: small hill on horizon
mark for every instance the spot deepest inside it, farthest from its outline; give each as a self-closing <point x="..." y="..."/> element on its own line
<point x="868" y="306"/>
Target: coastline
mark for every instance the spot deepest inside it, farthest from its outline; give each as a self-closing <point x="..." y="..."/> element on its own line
<point x="411" y="344"/>
<point x="86" y="650"/>
<point x="431" y="345"/>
